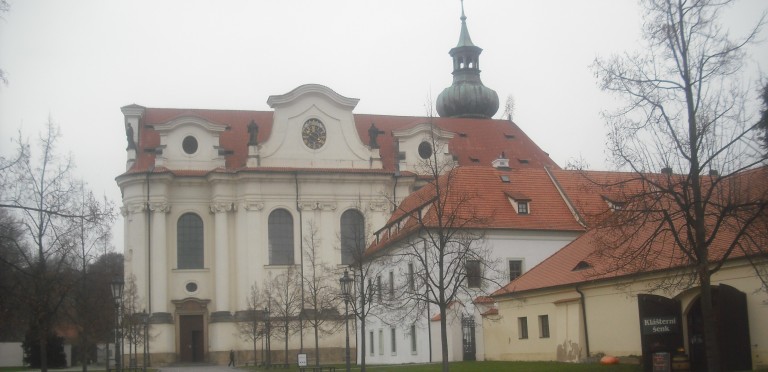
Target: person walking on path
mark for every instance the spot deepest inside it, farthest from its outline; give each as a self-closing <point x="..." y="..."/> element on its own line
<point x="231" y="358"/>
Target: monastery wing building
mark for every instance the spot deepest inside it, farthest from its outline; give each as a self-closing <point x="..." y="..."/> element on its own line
<point x="216" y="201"/>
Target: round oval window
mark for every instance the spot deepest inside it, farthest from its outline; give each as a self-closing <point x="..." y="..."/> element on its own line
<point x="189" y="145"/>
<point x="191" y="287"/>
<point x="425" y="150"/>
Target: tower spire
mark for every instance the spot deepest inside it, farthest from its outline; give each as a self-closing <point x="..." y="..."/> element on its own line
<point x="467" y="96"/>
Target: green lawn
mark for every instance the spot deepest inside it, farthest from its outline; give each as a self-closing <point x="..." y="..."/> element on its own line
<point x="493" y="367"/>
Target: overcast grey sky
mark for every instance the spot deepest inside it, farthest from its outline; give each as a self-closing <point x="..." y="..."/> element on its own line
<point x="79" y="61"/>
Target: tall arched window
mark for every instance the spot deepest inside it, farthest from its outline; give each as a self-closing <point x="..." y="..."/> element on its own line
<point x="280" y="237"/>
<point x="352" y="236"/>
<point x="189" y="242"/>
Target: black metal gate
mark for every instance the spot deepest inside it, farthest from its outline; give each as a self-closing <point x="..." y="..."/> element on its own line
<point x="468" y="336"/>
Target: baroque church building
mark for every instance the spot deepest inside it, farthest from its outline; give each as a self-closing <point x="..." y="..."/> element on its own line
<point x="220" y="202"/>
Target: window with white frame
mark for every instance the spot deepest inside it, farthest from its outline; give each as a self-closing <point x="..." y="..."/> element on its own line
<point x="378" y="287"/>
<point x="522" y="207"/>
<point x="391" y="285"/>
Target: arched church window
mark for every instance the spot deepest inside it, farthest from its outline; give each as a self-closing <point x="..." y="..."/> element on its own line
<point x="352" y="236"/>
<point x="280" y="237"/>
<point x="189" y="242"/>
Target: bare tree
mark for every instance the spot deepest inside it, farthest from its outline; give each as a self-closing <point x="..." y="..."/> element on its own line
<point x="89" y="237"/>
<point x="12" y="320"/>
<point x="284" y="298"/>
<point x="4" y="7"/>
<point x="45" y="196"/>
<point x="250" y="323"/>
<point x="509" y="108"/>
<point x="762" y="124"/>
<point x="320" y="291"/>
<point x="444" y="242"/>
<point x="354" y="240"/>
<point x="684" y="114"/>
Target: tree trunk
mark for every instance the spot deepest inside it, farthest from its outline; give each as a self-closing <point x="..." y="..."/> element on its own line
<point x="317" y="345"/>
<point x="710" y="330"/>
<point x="444" y="337"/>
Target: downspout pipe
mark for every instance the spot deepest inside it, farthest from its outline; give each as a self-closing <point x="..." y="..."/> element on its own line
<point x="301" y="263"/>
<point x="149" y="246"/>
<point x="584" y="318"/>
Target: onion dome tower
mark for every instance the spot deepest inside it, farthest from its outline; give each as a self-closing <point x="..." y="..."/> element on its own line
<point x="467" y="97"/>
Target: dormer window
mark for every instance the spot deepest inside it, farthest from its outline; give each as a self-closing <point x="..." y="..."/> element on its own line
<point x="520" y="202"/>
<point x="522" y="207"/>
<point x="614" y="205"/>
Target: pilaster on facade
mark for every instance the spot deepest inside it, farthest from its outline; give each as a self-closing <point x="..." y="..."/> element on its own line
<point x="221" y="255"/>
<point x="159" y="255"/>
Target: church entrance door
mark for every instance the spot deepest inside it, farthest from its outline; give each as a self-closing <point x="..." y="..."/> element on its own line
<point x="191" y="334"/>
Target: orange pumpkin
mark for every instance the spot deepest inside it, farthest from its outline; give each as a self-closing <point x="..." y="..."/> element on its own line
<point x="609" y="360"/>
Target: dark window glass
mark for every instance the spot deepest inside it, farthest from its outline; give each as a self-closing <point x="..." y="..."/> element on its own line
<point x="189" y="240"/>
<point x="411" y="278"/>
<point x="473" y="274"/>
<point x="352" y="236"/>
<point x="515" y="269"/>
<point x="191" y="287"/>
<point x="522" y="207"/>
<point x="544" y="326"/>
<point x="522" y="327"/>
<point x="425" y="150"/>
<point x="280" y="237"/>
<point x="189" y="144"/>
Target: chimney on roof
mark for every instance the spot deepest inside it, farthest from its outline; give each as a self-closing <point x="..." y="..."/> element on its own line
<point x="501" y="163"/>
<point x="714" y="173"/>
<point x="667" y="171"/>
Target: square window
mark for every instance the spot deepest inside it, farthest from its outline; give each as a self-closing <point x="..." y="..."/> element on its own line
<point x="544" y="326"/>
<point x="473" y="274"/>
<point x="522" y="207"/>
<point x="522" y="328"/>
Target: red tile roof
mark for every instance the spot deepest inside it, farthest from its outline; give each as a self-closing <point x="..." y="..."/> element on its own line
<point x="583" y="260"/>
<point x="481" y="139"/>
<point x="476" y="197"/>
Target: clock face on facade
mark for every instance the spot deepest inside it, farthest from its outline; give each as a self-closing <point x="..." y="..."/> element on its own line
<point x="313" y="134"/>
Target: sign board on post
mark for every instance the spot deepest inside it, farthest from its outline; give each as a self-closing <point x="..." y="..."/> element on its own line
<point x="662" y="362"/>
<point x="302" y="360"/>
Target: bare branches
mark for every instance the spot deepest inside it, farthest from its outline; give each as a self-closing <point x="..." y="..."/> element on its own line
<point x="685" y="113"/>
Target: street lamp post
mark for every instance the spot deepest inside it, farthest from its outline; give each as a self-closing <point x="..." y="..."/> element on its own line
<point x="145" y="321"/>
<point x="117" y="295"/>
<point x="346" y="288"/>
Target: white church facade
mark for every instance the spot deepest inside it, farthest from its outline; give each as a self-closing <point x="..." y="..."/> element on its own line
<point x="216" y="202"/>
